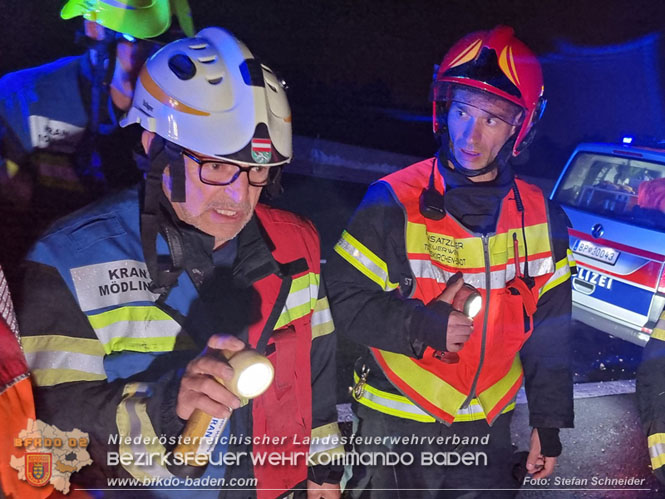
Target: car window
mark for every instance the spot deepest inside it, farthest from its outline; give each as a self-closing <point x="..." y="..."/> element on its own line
<point x="627" y="189"/>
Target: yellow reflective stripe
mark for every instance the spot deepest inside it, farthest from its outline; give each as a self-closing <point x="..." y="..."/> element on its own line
<point x="63" y="343"/>
<point x="656" y="443"/>
<point x="464" y="252"/>
<point x="467" y="252"/>
<point x="136" y="433"/>
<point x="402" y="407"/>
<point x="370" y="265"/>
<point x="561" y="275"/>
<point x="369" y="399"/>
<point x="571" y="259"/>
<point x="301" y="299"/>
<point x="326" y="439"/>
<point x="138" y="328"/>
<point x="659" y="330"/>
<point x="325" y="430"/>
<point x="537" y="236"/>
<point x="390" y="403"/>
<point x="432" y="388"/>
<point x="55" y="359"/>
<point x="50" y="377"/>
<point x="491" y="397"/>
<point x="128" y="313"/>
<point x="322" y="321"/>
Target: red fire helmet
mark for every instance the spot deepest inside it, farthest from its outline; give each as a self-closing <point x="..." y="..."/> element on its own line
<point x="498" y="63"/>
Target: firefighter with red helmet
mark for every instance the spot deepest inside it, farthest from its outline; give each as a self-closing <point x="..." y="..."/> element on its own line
<point x="443" y="381"/>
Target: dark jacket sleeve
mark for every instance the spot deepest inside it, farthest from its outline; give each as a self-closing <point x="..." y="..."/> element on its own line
<point x="60" y="343"/>
<point x="324" y="395"/>
<point x="546" y="354"/>
<point x="650" y="390"/>
<point x="369" y="281"/>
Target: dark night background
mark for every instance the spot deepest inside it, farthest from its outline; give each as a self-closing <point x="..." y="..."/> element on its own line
<point x="359" y="70"/>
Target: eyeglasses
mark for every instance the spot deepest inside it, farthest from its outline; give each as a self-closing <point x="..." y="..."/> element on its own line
<point x="220" y="173"/>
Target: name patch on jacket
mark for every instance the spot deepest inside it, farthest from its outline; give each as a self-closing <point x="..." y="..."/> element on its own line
<point x="112" y="283"/>
<point x="46" y="133"/>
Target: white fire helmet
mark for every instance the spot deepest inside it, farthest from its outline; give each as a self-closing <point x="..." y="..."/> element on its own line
<point x="209" y="95"/>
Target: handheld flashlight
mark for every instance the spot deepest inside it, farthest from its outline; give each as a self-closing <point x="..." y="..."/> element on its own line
<point x="468" y="301"/>
<point x="252" y="375"/>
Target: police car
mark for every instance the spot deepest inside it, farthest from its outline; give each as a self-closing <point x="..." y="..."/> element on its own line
<point x="614" y="195"/>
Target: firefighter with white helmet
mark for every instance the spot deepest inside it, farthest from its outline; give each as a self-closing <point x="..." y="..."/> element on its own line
<point x="421" y="236"/>
<point x="160" y="283"/>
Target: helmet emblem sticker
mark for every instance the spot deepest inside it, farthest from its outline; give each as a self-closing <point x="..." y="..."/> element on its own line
<point x="261" y="150"/>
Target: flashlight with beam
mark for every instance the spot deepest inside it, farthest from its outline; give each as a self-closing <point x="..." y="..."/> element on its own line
<point x="468" y="301"/>
<point x="252" y="375"/>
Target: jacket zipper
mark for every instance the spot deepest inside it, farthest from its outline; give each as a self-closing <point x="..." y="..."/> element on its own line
<point x="472" y="393"/>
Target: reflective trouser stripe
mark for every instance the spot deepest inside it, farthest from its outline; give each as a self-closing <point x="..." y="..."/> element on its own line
<point x="136" y="328"/>
<point x="561" y="275"/>
<point x="322" y="321"/>
<point x="659" y="330"/>
<point x="300" y="300"/>
<point x="402" y="407"/>
<point x="55" y="359"/>
<point x="656" y="444"/>
<point x="370" y="265"/>
<point x="326" y="439"/>
<point x="136" y="433"/>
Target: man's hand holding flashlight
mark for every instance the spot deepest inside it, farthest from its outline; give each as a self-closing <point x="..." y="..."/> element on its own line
<point x="198" y="387"/>
<point x="459" y="325"/>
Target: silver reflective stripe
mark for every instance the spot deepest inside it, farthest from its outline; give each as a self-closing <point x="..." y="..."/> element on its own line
<point x="471" y="409"/>
<point x="55" y="359"/>
<point x="394" y="404"/>
<point x="138" y="329"/>
<point x="112" y="283"/>
<point x="301" y="297"/>
<point x="558" y="274"/>
<point x="366" y="262"/>
<point x="321" y="317"/>
<point x="425" y="269"/>
<point x="656" y="450"/>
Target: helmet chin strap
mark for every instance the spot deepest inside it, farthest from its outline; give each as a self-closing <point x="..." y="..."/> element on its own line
<point x="161" y="154"/>
<point x="498" y="162"/>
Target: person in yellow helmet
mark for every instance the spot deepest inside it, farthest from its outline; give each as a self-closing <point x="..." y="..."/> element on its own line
<point x="59" y="134"/>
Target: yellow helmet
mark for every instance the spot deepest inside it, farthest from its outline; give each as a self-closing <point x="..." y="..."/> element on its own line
<point x="138" y="18"/>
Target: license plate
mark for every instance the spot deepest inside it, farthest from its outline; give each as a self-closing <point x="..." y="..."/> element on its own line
<point x="600" y="253"/>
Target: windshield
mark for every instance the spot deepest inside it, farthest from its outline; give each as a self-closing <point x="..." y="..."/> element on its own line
<point x="627" y="189"/>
